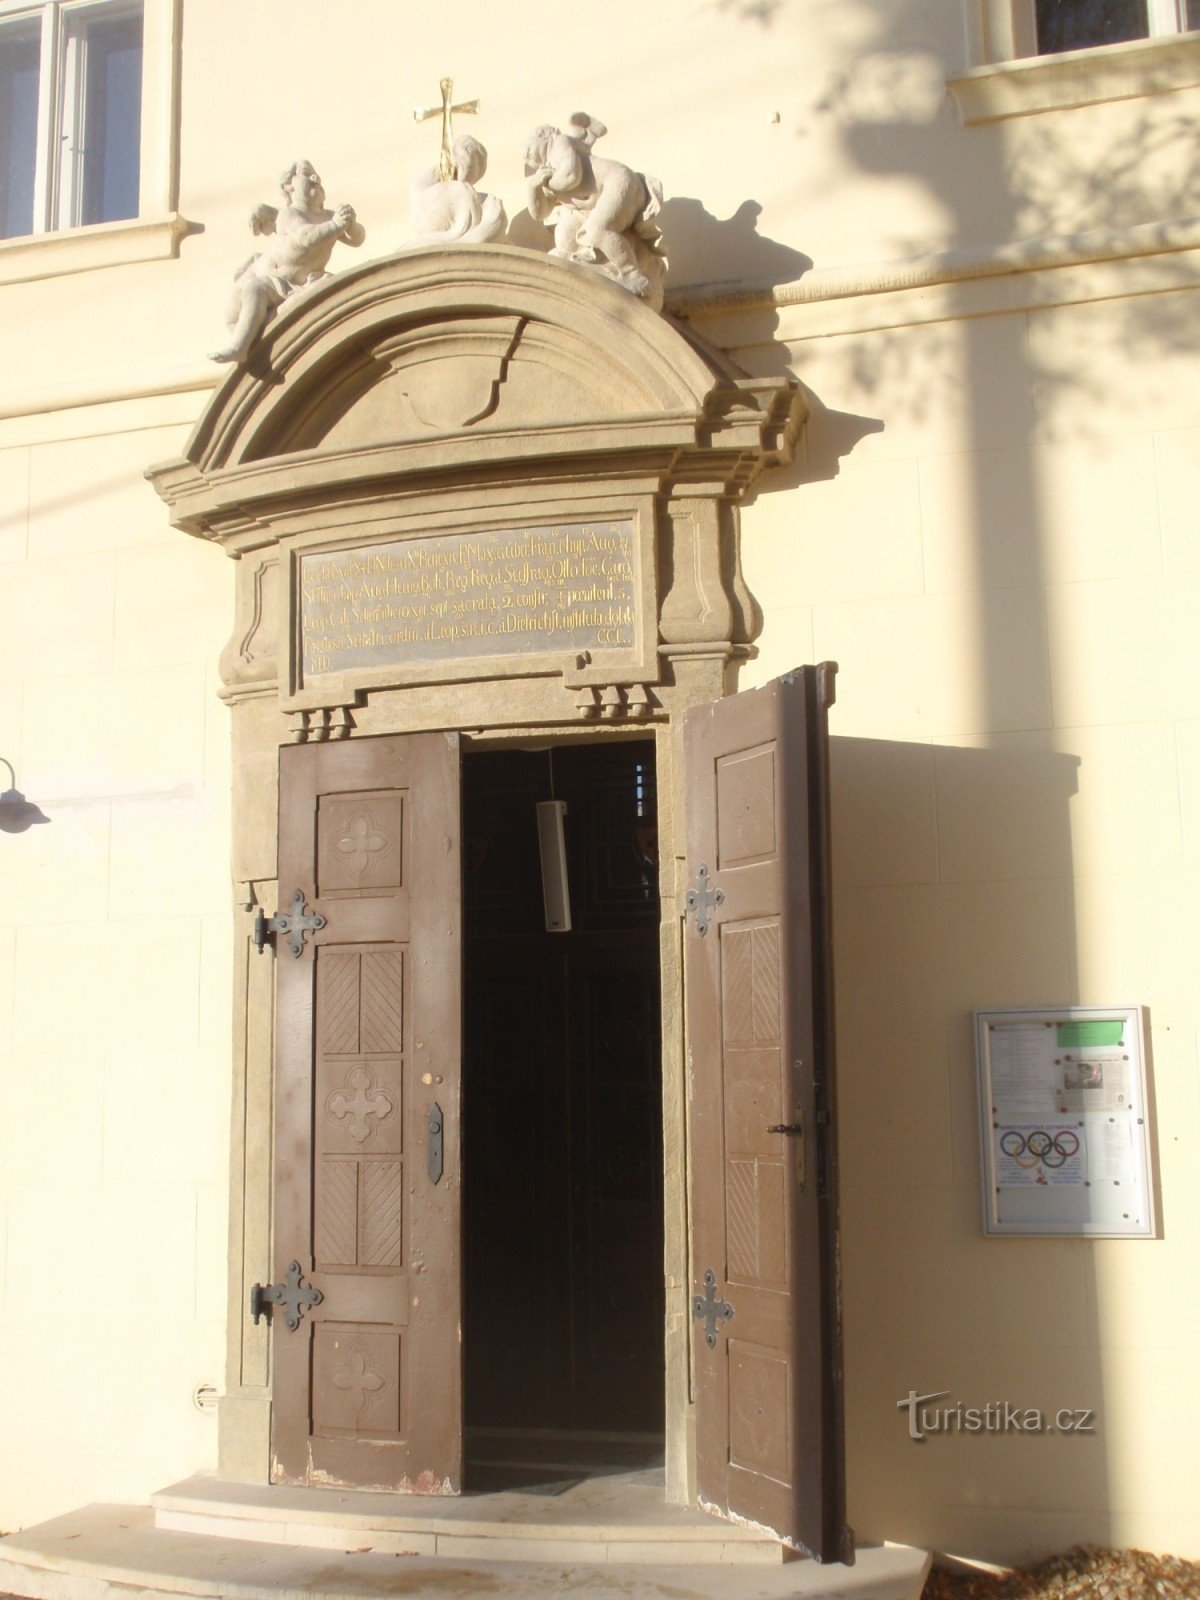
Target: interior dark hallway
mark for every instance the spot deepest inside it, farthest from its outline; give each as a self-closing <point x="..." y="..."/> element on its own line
<point x="563" y="1223"/>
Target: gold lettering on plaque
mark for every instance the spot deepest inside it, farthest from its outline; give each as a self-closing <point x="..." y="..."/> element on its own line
<point x="461" y="596"/>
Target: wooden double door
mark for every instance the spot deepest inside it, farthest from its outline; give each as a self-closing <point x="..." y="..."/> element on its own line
<point x="369" y="1159"/>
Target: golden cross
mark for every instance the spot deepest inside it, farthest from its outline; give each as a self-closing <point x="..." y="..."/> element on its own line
<point x="445" y="111"/>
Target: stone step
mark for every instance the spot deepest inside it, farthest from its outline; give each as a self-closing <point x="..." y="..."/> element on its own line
<point x="117" y="1553"/>
<point x="614" y="1517"/>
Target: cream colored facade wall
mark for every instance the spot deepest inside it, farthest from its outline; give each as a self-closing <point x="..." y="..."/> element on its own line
<point x="993" y="530"/>
<point x="114" y="979"/>
<point x="1008" y="573"/>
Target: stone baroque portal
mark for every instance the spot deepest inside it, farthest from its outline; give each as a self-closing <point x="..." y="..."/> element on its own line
<point x="419" y="450"/>
<point x="470" y="485"/>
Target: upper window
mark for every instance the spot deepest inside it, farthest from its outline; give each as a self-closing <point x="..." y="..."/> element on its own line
<point x="70" y="114"/>
<point x="1049" y="27"/>
<point x="1030" y="56"/>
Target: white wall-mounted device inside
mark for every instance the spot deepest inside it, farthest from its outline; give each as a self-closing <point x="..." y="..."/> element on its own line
<point x="552" y="845"/>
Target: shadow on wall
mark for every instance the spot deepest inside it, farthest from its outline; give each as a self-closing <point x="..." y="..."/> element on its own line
<point x="932" y="920"/>
<point x="955" y="870"/>
<point x="829" y="436"/>
<point x="986" y="1319"/>
<point x="701" y="248"/>
<point x="525" y="230"/>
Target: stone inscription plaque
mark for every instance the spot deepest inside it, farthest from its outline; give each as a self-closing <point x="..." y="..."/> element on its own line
<point x="468" y="596"/>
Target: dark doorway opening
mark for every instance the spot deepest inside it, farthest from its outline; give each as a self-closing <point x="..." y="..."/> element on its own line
<point x="562" y="1119"/>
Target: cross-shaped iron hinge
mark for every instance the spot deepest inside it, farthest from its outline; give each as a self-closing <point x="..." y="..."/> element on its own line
<point x="294" y="923"/>
<point x="701" y="899"/>
<point x="709" y="1310"/>
<point x="289" y="1294"/>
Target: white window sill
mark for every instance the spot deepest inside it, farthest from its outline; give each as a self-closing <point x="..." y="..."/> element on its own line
<point x="105" y="244"/>
<point x="1077" y="78"/>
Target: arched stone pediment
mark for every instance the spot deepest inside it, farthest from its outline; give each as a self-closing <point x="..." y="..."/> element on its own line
<point x="484" y="338"/>
<point x="444" y="359"/>
<point x="410" y="421"/>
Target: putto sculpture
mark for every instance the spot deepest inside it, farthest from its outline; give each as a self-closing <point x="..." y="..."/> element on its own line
<point x="305" y="233"/>
<point x="445" y="206"/>
<point x="452" y="210"/>
<point x="602" y="212"/>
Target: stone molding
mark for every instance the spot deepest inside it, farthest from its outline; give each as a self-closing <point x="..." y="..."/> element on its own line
<point x="1032" y="275"/>
<point x="449" y="393"/>
<point x="1023" y="256"/>
<point x="104" y="244"/>
<point x="1073" y="78"/>
<point x="1023" y="276"/>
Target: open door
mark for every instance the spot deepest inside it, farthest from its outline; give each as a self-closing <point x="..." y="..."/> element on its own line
<point x="767" y="1338"/>
<point x="366" y="1356"/>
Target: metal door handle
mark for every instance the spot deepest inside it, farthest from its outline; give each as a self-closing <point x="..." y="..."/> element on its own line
<point x="793" y="1130"/>
<point x="434" y="1129"/>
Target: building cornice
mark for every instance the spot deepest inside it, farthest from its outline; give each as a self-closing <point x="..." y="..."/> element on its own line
<point x="850" y="298"/>
<point x="950" y="266"/>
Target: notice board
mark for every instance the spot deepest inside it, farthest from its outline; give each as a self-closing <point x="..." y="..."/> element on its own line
<point x="1063" y="1121"/>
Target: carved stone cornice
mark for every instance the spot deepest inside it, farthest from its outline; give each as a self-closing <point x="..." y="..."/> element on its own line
<point x="453" y="393"/>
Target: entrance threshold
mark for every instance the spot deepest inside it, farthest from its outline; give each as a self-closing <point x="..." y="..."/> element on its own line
<point x="125" y="1553"/>
<point x="548" y="1461"/>
<point x="594" y="1520"/>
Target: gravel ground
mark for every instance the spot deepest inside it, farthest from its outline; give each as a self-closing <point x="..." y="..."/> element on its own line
<point x="1081" y="1574"/>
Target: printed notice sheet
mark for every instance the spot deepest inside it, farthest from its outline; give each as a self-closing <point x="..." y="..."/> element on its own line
<point x="1063" y="1122"/>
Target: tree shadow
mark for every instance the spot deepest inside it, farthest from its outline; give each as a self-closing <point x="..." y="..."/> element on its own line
<point x="956" y="882"/>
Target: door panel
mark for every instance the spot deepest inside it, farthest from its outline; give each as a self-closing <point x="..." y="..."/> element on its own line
<point x="367" y="1390"/>
<point x="760" y="1051"/>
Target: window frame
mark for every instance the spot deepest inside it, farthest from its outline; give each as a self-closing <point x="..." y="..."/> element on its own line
<point x="1005" y="79"/>
<point x="58" y="183"/>
<point x="1165" y="19"/>
<point x="1006" y="30"/>
<point x="72" y="50"/>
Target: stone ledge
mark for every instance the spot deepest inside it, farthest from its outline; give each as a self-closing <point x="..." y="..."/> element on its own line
<point x="114" y="1553"/>
<point x="1077" y="78"/>
<point x="106" y="244"/>
<point x="1172" y="236"/>
<point x="1027" y="275"/>
<point x="611" y="1518"/>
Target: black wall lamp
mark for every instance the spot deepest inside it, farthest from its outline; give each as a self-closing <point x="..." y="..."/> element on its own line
<point x="17" y="813"/>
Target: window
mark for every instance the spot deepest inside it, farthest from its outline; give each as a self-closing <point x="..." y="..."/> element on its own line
<point x="1050" y="27"/>
<point x="70" y="114"/>
<point x="1030" y="56"/>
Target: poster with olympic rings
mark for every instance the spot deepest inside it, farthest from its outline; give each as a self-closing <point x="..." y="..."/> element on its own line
<point x="1065" y="1136"/>
<point x="1033" y="1152"/>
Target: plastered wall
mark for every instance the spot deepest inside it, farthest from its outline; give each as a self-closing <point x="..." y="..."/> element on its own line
<point x="114" y="963"/>
<point x="1007" y="572"/>
<point x="992" y="528"/>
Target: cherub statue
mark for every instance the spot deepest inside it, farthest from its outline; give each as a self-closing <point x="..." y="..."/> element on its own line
<point x="453" y="210"/>
<point x="602" y="212"/>
<point x="305" y="234"/>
